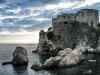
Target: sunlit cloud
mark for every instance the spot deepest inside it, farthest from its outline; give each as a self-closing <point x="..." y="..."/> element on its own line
<point x="59" y="5"/>
<point x="16" y="11"/>
<point x="19" y="37"/>
<point x="86" y="3"/>
<point x="41" y="19"/>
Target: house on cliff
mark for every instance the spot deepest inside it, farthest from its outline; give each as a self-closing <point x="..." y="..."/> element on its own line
<point x="89" y="16"/>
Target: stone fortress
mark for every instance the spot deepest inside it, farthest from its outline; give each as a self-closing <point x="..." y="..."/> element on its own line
<point x="89" y="16"/>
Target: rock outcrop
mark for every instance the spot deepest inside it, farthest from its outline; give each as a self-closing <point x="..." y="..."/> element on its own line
<point x="65" y="58"/>
<point x="20" y="56"/>
<point x="43" y="45"/>
<point x="73" y="35"/>
<point x="88" y="72"/>
<point x="37" y="66"/>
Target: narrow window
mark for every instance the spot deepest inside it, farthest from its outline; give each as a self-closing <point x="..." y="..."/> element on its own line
<point x="64" y="16"/>
<point x="91" y="24"/>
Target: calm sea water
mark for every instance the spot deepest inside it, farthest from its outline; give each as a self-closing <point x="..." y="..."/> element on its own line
<point x="6" y="51"/>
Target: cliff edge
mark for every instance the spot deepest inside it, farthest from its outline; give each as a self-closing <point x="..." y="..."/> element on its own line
<point x="72" y="34"/>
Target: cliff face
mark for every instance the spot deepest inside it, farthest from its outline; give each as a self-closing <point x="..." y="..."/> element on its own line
<point x="68" y="35"/>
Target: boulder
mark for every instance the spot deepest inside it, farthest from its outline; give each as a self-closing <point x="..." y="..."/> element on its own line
<point x="52" y="62"/>
<point x="20" y="56"/>
<point x="88" y="72"/>
<point x="66" y="57"/>
<point x="37" y="66"/>
<point x="91" y="50"/>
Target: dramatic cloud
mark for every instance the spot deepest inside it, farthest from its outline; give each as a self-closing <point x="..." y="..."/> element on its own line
<point x="20" y="18"/>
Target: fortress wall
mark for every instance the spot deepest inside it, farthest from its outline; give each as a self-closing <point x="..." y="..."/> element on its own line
<point x="64" y="17"/>
<point x="60" y="18"/>
<point x="70" y="17"/>
<point x="89" y="16"/>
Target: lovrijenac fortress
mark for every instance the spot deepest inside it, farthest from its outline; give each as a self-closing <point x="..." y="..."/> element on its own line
<point x="89" y="16"/>
<point x="74" y="30"/>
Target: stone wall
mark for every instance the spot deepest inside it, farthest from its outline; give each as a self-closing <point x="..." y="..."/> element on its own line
<point x="89" y="16"/>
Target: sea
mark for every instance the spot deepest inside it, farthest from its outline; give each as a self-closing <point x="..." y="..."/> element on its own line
<point x="92" y="62"/>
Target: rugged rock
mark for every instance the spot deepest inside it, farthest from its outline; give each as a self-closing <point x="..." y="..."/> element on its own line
<point x="44" y="44"/>
<point x="37" y="66"/>
<point x="73" y="35"/>
<point x="88" y="72"/>
<point x="98" y="46"/>
<point x="20" y="56"/>
<point x="5" y="63"/>
<point x="66" y="57"/>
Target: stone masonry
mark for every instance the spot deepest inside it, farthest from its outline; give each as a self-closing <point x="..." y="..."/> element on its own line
<point x="89" y="16"/>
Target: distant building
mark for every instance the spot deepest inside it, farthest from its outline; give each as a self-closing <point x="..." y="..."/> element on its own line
<point x="89" y="16"/>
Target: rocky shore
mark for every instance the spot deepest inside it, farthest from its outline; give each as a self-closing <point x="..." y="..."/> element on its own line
<point x="69" y="40"/>
<point x="65" y="58"/>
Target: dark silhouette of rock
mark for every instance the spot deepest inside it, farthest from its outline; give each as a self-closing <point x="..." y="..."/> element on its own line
<point x="5" y="63"/>
<point x="37" y="66"/>
<point x="20" y="56"/>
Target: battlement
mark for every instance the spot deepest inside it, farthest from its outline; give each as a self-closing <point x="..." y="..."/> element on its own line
<point x="89" y="16"/>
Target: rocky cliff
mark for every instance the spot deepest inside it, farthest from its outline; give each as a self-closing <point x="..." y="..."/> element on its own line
<point x="73" y="35"/>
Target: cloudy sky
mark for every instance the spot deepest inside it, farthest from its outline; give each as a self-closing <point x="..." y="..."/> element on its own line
<point x="21" y="20"/>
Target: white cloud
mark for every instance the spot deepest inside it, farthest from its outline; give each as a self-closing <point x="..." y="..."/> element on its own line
<point x="7" y="24"/>
<point x="24" y="26"/>
<point x="18" y="15"/>
<point x="41" y="19"/>
<point x="2" y="6"/>
<point x="60" y="5"/>
<point x="86" y="3"/>
<point x="4" y="17"/>
<point x="16" y="11"/>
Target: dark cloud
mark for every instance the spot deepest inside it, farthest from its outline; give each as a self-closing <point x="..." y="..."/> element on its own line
<point x="25" y="3"/>
<point x="2" y="1"/>
<point x="25" y="22"/>
<point x="24" y="17"/>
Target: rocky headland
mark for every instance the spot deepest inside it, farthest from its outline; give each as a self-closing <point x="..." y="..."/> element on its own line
<point x="72" y="35"/>
<point x="68" y="40"/>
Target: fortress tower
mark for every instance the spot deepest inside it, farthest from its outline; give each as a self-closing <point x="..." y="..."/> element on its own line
<point x="89" y="16"/>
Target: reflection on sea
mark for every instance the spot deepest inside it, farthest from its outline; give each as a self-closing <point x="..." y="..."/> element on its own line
<point x="20" y="70"/>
